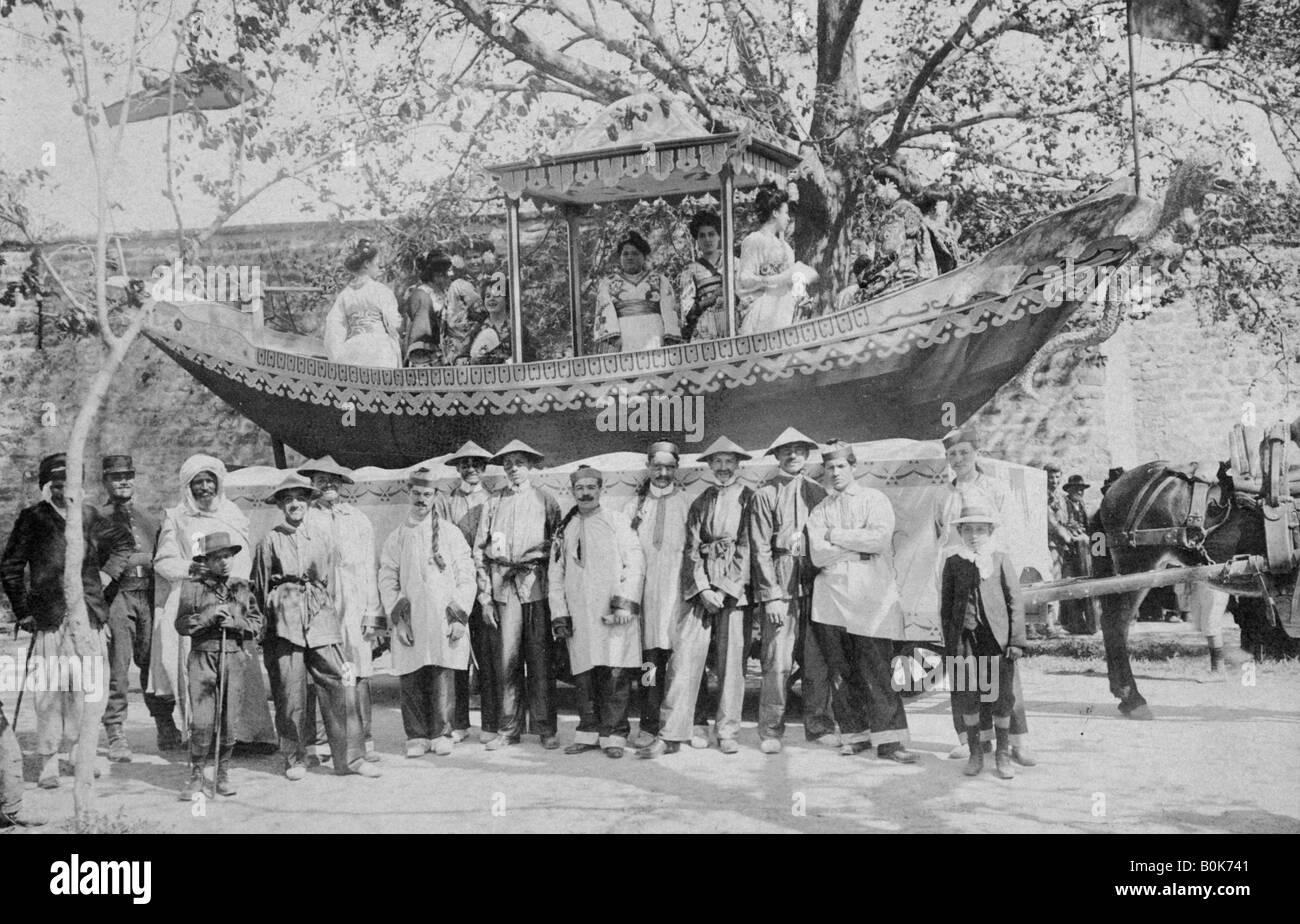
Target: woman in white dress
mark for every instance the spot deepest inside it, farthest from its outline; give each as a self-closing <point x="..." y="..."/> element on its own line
<point x="769" y="283"/>
<point x="635" y="306"/>
<point x="362" y="328"/>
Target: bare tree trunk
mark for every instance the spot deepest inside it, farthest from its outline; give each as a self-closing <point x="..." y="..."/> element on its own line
<point x="87" y="642"/>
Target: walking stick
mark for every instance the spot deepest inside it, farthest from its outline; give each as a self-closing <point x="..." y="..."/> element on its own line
<point x="23" y="689"/>
<point x="221" y="699"/>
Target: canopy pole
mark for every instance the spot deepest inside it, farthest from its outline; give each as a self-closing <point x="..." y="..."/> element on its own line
<point x="571" y="215"/>
<point x="516" y="281"/>
<point x="1132" y="106"/>
<point x="277" y="450"/>
<point x="729" y="249"/>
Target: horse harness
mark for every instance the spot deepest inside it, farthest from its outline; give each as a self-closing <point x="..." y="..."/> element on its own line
<point x="1192" y="533"/>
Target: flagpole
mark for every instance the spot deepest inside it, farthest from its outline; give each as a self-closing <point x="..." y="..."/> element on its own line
<point x="1132" y="105"/>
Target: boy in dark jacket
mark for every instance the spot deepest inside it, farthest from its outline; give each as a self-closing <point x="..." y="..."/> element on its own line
<point x="984" y="625"/>
<point x="218" y="613"/>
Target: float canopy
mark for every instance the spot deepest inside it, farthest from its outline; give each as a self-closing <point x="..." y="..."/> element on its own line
<point x="645" y="147"/>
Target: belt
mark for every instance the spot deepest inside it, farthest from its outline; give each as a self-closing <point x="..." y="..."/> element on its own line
<point x="718" y="548"/>
<point x="279" y="579"/>
<point x="515" y="568"/>
<point x="634" y="308"/>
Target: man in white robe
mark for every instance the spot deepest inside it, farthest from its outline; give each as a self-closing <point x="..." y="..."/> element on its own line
<point x="597" y="573"/>
<point x="426" y="582"/>
<point x="856" y="610"/>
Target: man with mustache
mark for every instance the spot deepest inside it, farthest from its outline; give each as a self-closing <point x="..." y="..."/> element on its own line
<point x="294" y="569"/>
<point x="426" y="580"/>
<point x="356" y="591"/>
<point x="596" y="577"/>
<point x="658" y="515"/>
<point x="464" y="507"/>
<point x="783" y="579"/>
<point x="203" y="509"/>
<point x="31" y="570"/>
<point x="511" y="552"/>
<point x="130" y="597"/>
<point x="715" y="579"/>
<point x="855" y="607"/>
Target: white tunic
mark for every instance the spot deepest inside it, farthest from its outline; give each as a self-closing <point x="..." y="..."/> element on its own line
<point x="356" y="592"/>
<point x="662" y="532"/>
<point x="850" y="538"/>
<point x="361" y="327"/>
<point x="598" y="564"/>
<point x="407" y="569"/>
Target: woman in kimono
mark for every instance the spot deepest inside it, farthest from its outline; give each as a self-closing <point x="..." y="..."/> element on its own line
<point x="362" y="327"/>
<point x="769" y="282"/>
<point x="635" y="307"/>
<point x="203" y="509"/>
<point x="704" y="313"/>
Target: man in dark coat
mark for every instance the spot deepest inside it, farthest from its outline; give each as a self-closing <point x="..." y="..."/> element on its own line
<point x="125" y="540"/>
<point x="31" y="570"/>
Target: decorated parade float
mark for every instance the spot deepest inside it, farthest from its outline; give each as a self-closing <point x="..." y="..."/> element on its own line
<point x="885" y="368"/>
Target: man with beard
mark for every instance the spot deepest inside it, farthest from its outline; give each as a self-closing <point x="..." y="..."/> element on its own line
<point x="130" y="597"/>
<point x="294" y="570"/>
<point x="356" y="592"/>
<point x="511" y="552"/>
<point x="426" y="580"/>
<point x="464" y="507"/>
<point x="597" y="573"/>
<point x="715" y="581"/>
<point x="855" y="605"/>
<point x="203" y="509"/>
<point x="972" y="484"/>
<point x="31" y="570"/>
<point x="783" y="577"/>
<point x="658" y="516"/>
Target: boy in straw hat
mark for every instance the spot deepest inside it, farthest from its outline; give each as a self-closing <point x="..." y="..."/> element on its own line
<point x="293" y="576"/>
<point x="426" y="580"/>
<point x="715" y="581"/>
<point x="218" y="613"/>
<point x="984" y="626"/>
<point x="511" y="551"/>
<point x="783" y="584"/>
<point x="597" y="573"/>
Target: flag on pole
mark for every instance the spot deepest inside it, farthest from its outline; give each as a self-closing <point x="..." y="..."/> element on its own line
<point x="1196" y="22"/>
<point x="213" y="87"/>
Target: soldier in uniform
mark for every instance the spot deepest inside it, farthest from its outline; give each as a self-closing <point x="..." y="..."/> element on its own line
<point x="463" y="507"/>
<point x="130" y="597"/>
<point x="783" y="583"/>
<point x="511" y="552"/>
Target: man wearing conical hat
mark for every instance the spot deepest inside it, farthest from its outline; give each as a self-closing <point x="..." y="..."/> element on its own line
<point x="125" y="526"/>
<point x="783" y="582"/>
<point x="426" y="579"/>
<point x="294" y="570"/>
<point x="356" y="591"/>
<point x="970" y="483"/>
<point x="715" y="582"/>
<point x="597" y="573"/>
<point x="658" y="514"/>
<point x="203" y="508"/>
<point x="463" y="507"/>
<point x="31" y="570"/>
<point x="856" y="609"/>
<point x="511" y="553"/>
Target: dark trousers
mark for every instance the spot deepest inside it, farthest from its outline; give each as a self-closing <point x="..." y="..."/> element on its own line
<point x="130" y="626"/>
<point x="652" y="694"/>
<point x="315" y="731"/>
<point x="428" y="702"/>
<point x="289" y="666"/>
<point x="782" y="646"/>
<point x="852" y="708"/>
<point x="485" y="644"/>
<point x="527" y="674"/>
<point x="871" y="671"/>
<point x="1019" y="723"/>
<point x="972" y="705"/>
<point x="201" y="670"/>
<point x="604" y="694"/>
<point x="11" y="768"/>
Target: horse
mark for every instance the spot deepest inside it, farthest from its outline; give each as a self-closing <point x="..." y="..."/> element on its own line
<point x="1155" y="500"/>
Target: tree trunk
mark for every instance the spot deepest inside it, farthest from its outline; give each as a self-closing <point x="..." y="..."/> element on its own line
<point x="87" y="642"/>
